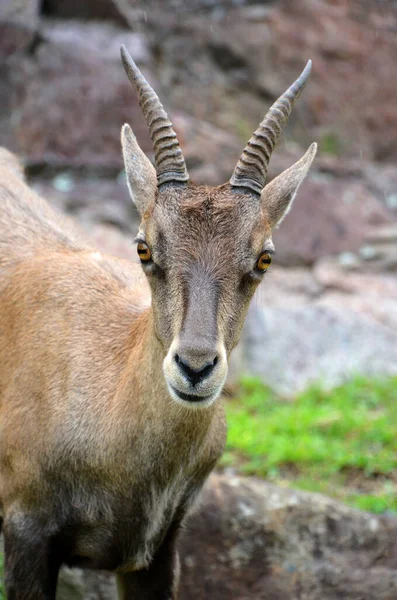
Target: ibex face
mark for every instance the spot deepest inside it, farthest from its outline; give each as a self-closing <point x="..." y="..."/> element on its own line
<point x="205" y="250"/>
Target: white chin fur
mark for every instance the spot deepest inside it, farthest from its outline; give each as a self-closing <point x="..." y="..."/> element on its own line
<point x="195" y="404"/>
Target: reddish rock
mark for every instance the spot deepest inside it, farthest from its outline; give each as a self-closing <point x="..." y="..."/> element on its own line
<point x="210" y="152"/>
<point x="328" y="217"/>
<point x="70" y="98"/>
<point x="227" y="63"/>
<point x="351" y="98"/>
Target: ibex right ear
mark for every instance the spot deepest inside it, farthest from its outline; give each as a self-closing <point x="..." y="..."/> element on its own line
<point x="278" y="195"/>
<point x="141" y="174"/>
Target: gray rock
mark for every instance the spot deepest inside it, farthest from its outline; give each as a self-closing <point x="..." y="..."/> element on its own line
<point x="319" y="326"/>
<point x="18" y="25"/>
<point x="93" y="201"/>
<point x="75" y="584"/>
<point x="315" y="343"/>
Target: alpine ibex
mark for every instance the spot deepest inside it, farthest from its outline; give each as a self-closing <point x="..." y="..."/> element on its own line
<point x="110" y="420"/>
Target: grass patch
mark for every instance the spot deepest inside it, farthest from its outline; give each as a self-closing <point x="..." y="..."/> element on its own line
<point x="329" y="144"/>
<point x="342" y="443"/>
<point x="2" y="590"/>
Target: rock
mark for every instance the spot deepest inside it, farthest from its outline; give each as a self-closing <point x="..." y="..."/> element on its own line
<point x="18" y="25"/>
<point x="251" y="540"/>
<point x="254" y="541"/>
<point x="75" y="584"/>
<point x="71" y="97"/>
<point x="328" y="217"/>
<point x="238" y="64"/>
<point x="18" y="33"/>
<point x="321" y="326"/>
<point x="326" y="342"/>
<point x="220" y="65"/>
<point x="343" y="38"/>
<point x="367" y="291"/>
<point x="261" y="542"/>
<point x="209" y="151"/>
<point x="89" y="9"/>
<point x="92" y="201"/>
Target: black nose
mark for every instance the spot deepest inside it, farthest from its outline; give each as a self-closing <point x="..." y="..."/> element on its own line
<point x="194" y="376"/>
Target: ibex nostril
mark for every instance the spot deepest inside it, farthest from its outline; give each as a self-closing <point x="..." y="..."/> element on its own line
<point x="195" y="374"/>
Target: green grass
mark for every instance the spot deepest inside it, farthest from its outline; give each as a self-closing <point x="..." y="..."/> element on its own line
<point x="329" y="144"/>
<point x="2" y="590"/>
<point x="342" y="443"/>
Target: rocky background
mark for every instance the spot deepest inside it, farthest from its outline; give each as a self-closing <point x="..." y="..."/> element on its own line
<point x="328" y="308"/>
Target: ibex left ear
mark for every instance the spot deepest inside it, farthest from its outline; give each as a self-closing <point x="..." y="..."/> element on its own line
<point x="278" y="195"/>
<point x="141" y="174"/>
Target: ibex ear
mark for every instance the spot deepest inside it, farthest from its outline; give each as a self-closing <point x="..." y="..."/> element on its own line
<point x="141" y="174"/>
<point x="278" y="195"/>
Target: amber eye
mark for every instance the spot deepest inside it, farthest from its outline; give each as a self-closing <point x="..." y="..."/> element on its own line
<point x="144" y="252"/>
<point x="264" y="262"/>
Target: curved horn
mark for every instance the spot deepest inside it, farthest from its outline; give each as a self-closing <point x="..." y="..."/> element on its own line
<point x="251" y="169"/>
<point x="168" y="158"/>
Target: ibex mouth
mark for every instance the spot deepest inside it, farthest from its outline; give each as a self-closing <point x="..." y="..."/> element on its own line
<point x="190" y="397"/>
<point x="192" y="386"/>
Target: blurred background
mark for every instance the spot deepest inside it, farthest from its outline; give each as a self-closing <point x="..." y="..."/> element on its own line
<point x="313" y="392"/>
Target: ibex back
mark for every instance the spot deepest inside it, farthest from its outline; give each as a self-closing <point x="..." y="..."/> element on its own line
<point x="110" y="416"/>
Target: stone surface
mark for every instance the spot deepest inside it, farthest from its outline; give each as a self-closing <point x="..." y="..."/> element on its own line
<point x="320" y="326"/>
<point x="330" y="216"/>
<point x="70" y="97"/>
<point x="18" y="25"/>
<point x="325" y="342"/>
<point x="219" y="63"/>
<point x="254" y="541"/>
<point x="89" y="9"/>
<point x="261" y="542"/>
<point x="210" y="152"/>
<point x="75" y="584"/>
<point x="92" y="201"/>
<point x="228" y="61"/>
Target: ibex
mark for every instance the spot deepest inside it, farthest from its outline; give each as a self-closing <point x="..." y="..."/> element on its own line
<point x="110" y="416"/>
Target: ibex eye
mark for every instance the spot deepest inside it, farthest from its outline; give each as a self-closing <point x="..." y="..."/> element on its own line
<point x="264" y="262"/>
<point x="144" y="252"/>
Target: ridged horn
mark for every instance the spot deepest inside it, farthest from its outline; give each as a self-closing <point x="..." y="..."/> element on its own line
<point x="168" y="158"/>
<point x="251" y="169"/>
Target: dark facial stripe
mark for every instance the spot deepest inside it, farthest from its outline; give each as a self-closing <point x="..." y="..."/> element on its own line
<point x="199" y="325"/>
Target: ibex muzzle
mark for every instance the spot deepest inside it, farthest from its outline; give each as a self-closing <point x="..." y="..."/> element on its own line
<point x="196" y="364"/>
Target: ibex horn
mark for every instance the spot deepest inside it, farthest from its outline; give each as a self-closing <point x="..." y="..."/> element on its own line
<point x="169" y="162"/>
<point x="251" y="169"/>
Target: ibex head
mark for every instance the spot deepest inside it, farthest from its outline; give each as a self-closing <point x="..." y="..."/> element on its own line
<point x="205" y="250"/>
